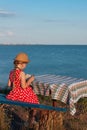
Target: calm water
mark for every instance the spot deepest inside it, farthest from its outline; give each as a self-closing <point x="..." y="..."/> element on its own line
<point x="70" y="60"/>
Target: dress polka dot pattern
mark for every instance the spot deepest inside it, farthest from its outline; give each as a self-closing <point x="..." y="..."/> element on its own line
<point x="18" y="93"/>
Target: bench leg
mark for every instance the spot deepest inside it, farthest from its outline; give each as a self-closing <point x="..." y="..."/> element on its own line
<point x="54" y="103"/>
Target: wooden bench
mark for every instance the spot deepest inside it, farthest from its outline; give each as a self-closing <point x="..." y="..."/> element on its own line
<point x="3" y="100"/>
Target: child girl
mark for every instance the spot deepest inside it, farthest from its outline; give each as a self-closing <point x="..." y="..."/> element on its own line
<point x="21" y="89"/>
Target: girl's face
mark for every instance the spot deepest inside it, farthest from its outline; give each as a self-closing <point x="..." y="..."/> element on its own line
<point x="23" y="65"/>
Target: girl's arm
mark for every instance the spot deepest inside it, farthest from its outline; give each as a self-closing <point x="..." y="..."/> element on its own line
<point x="9" y="83"/>
<point x="25" y="83"/>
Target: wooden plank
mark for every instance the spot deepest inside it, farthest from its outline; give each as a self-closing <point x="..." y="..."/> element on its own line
<point x="3" y="100"/>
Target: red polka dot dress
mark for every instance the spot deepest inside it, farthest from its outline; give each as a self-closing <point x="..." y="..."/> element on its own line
<point x="18" y="93"/>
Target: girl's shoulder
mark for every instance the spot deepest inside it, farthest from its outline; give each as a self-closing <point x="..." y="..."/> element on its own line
<point x="15" y="71"/>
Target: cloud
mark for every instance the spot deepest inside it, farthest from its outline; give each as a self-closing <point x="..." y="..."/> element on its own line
<point x="6" y="34"/>
<point x="4" y="13"/>
<point x="69" y="22"/>
<point x="64" y="22"/>
<point x="10" y="33"/>
<point x="57" y="21"/>
<point x="1" y="34"/>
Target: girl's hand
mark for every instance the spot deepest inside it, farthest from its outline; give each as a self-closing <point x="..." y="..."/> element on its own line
<point x="24" y="82"/>
<point x="32" y="78"/>
<point x="27" y="76"/>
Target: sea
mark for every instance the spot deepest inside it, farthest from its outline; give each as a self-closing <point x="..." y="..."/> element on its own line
<point x="64" y="60"/>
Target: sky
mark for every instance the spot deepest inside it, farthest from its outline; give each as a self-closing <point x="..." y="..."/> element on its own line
<point x="43" y="22"/>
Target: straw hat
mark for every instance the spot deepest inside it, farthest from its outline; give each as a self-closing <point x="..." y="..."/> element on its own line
<point x="22" y="57"/>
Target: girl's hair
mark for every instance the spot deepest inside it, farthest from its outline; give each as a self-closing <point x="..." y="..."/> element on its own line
<point x="15" y="66"/>
<point x="16" y="63"/>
